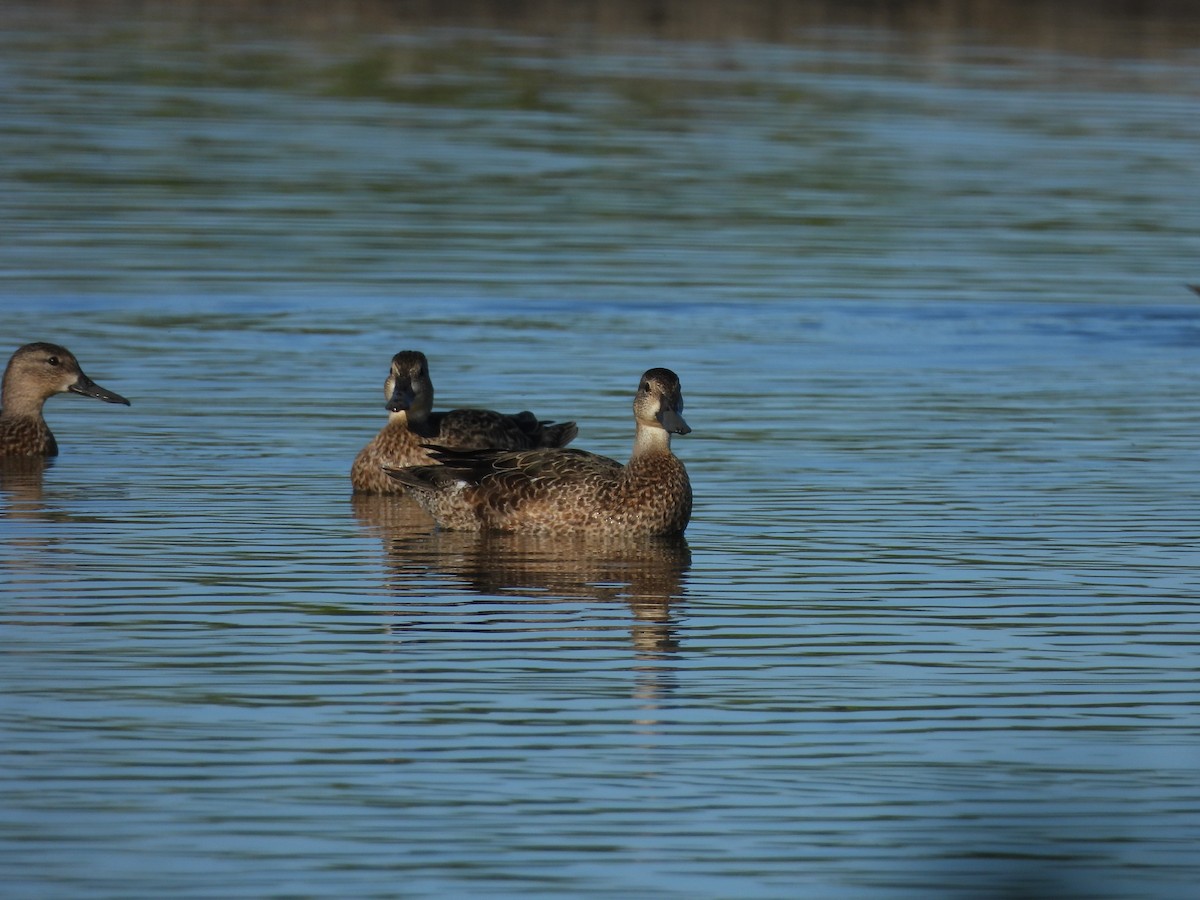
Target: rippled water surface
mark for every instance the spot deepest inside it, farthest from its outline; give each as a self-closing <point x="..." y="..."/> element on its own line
<point x="934" y="628"/>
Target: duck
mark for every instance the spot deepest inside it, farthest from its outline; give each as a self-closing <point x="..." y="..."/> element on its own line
<point x="412" y="424"/>
<point x="566" y="490"/>
<point x="35" y="373"/>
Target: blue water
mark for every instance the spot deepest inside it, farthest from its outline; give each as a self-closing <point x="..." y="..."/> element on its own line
<point x="933" y="630"/>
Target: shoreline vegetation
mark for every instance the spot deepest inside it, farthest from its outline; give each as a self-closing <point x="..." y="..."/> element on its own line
<point x="1116" y="28"/>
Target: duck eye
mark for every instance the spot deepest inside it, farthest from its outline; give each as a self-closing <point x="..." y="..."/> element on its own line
<point x="53" y="360"/>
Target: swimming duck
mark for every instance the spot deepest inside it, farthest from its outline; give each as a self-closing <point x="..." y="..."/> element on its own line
<point x="567" y="490"/>
<point x="35" y="373"/>
<point x="412" y="424"/>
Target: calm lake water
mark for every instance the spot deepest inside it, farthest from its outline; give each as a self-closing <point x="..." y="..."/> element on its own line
<point x="935" y="627"/>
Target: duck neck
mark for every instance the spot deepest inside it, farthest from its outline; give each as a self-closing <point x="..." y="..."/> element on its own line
<point x="20" y="404"/>
<point x="649" y="439"/>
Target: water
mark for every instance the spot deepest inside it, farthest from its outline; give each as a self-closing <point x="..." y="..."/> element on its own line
<point x="933" y="630"/>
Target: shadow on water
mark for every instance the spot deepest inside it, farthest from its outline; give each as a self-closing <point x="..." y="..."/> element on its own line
<point x="647" y="575"/>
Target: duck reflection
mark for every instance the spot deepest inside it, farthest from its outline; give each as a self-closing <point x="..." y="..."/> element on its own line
<point x="646" y="574"/>
<point x="22" y="501"/>
<point x="21" y="486"/>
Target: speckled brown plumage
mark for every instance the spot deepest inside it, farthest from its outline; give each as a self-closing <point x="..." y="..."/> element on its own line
<point x="567" y="490"/>
<point x="413" y="424"/>
<point x="35" y="373"/>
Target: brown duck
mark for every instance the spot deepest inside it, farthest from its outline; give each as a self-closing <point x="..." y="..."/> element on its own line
<point x="35" y="373"/>
<point x="412" y="424"/>
<point x="567" y="490"/>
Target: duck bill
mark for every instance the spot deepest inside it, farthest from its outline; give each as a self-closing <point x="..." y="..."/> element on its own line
<point x="87" y="387"/>
<point x="402" y="398"/>
<point x="673" y="422"/>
